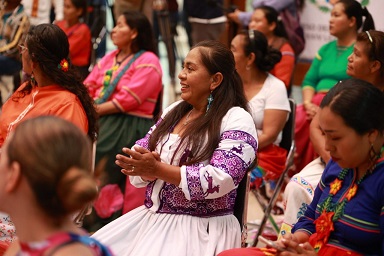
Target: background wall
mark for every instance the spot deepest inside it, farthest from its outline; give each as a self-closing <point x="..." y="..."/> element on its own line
<point x="315" y="22"/>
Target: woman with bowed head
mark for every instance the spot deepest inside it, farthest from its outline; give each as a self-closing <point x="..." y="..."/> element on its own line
<point x="125" y="85"/>
<point x="364" y="63"/>
<point x="345" y="216"/>
<point x="42" y="190"/>
<point x="268" y="100"/>
<point x="191" y="163"/>
<point x="328" y="67"/>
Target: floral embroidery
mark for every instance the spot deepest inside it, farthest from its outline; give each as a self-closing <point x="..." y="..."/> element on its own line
<point x="324" y="226"/>
<point x="331" y="212"/>
<point x="335" y="186"/>
<point x="351" y="192"/>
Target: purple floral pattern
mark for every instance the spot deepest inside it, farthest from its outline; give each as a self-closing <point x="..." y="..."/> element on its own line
<point x="231" y="160"/>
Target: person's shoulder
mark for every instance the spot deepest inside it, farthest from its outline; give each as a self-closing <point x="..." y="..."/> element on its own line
<point x="330" y="45"/>
<point x="286" y="48"/>
<point x="74" y="249"/>
<point x="170" y="107"/>
<point x="239" y="119"/>
<point x="238" y="114"/>
<point x="148" y="56"/>
<point x="274" y="82"/>
<point x="60" y="23"/>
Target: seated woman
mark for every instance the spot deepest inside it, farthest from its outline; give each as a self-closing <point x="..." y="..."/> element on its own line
<point x="345" y="216"/>
<point x="266" y="20"/>
<point x="52" y="90"/>
<point x="191" y="163"/>
<point x="78" y="33"/>
<point x="328" y="67"/>
<point x="364" y="63"/>
<point x="42" y="190"/>
<point x="125" y="85"/>
<point x="267" y="98"/>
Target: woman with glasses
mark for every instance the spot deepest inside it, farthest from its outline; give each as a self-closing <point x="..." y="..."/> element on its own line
<point x="267" y="99"/>
<point x="328" y="67"/>
<point x="53" y="89"/>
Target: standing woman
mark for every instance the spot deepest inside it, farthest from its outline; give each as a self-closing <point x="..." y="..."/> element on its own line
<point x="125" y="85"/>
<point x="191" y="163"/>
<point x="267" y="97"/>
<point x="266" y="20"/>
<point x="328" y="67"/>
<point x="78" y="33"/>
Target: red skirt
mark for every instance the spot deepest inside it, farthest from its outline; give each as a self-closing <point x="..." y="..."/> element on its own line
<point x="305" y="152"/>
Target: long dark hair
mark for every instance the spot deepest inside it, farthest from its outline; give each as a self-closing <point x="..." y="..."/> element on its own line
<point x="266" y="56"/>
<point x="215" y="57"/>
<point x="272" y="16"/>
<point x="145" y="39"/>
<point x="81" y="4"/>
<point x="58" y="166"/>
<point x="358" y="103"/>
<point x="354" y="9"/>
<point x="48" y="45"/>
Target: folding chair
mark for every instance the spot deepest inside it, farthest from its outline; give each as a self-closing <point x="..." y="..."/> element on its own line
<point x="79" y="217"/>
<point x="241" y="205"/>
<point x="288" y="143"/>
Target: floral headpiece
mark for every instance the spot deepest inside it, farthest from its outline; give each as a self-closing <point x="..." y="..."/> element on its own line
<point x="63" y="65"/>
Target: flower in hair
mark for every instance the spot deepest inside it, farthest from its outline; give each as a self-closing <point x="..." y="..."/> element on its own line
<point x="63" y="65"/>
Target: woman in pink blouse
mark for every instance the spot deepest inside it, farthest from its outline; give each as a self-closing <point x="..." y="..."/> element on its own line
<point x="125" y="85"/>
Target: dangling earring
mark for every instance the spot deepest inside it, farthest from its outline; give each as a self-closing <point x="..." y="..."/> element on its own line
<point x="247" y="67"/>
<point x="33" y="80"/>
<point x="210" y="100"/>
<point x="373" y="155"/>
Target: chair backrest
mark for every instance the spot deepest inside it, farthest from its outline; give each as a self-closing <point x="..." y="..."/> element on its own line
<point x="289" y="128"/>
<point x="158" y="110"/>
<point x="241" y="205"/>
<point x="288" y="143"/>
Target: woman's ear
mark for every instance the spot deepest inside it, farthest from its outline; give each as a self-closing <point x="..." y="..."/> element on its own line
<point x="251" y="59"/>
<point x="13" y="177"/>
<point x="352" y="21"/>
<point x="375" y="66"/>
<point x="216" y="80"/>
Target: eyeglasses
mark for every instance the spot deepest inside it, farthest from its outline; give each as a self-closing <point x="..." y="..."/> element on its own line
<point x="22" y="48"/>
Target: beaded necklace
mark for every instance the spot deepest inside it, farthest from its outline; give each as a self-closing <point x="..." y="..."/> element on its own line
<point x="331" y="212"/>
<point x="108" y="86"/>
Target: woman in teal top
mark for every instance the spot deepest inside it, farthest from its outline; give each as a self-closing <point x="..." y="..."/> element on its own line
<point x="328" y="67"/>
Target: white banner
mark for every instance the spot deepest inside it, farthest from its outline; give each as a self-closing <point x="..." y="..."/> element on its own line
<point x="315" y="22"/>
